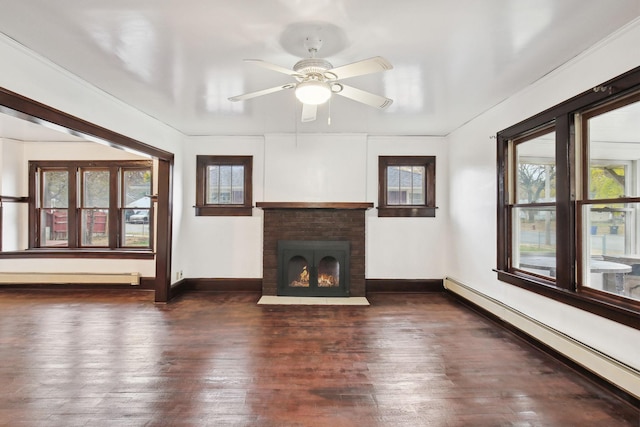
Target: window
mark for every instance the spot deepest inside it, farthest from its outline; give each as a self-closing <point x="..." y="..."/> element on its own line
<point x="569" y="201"/>
<point x="90" y="204"/>
<point x="533" y="209"/>
<point x="406" y="186"/>
<point x="611" y="199"/>
<point x="224" y="185"/>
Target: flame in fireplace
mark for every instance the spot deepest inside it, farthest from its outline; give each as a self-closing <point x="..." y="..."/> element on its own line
<point x="324" y="280"/>
<point x="303" y="279"/>
<point x="327" y="281"/>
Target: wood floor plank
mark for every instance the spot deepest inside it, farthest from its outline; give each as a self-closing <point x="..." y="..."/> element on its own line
<point x="219" y="359"/>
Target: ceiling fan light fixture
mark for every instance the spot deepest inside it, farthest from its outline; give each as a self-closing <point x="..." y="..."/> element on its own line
<point x="313" y="92"/>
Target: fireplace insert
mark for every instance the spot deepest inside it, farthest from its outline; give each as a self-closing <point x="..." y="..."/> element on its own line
<point x="313" y="268"/>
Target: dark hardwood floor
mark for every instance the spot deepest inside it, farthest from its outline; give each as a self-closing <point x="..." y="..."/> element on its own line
<point x="217" y="359"/>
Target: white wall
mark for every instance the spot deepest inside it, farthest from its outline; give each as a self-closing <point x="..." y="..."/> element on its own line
<point x="472" y="180"/>
<point x="407" y="248"/>
<point x="314" y="168"/>
<point x="221" y="246"/>
<point x="12" y="184"/>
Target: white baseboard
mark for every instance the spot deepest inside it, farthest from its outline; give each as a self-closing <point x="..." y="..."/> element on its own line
<point x="611" y="370"/>
<point x="69" y="278"/>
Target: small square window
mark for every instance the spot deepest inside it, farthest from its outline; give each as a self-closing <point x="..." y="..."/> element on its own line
<point x="406" y="186"/>
<point x="224" y="185"/>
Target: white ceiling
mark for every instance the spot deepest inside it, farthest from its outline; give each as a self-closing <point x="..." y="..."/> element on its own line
<point x="179" y="61"/>
<point x="22" y="129"/>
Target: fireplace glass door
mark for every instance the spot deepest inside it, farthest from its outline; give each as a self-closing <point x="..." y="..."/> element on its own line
<point x="313" y="268"/>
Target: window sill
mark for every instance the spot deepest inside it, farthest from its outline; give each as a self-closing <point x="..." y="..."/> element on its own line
<point x="224" y="210"/>
<point x="407" y="211"/>
<point x="624" y="314"/>
<point x="80" y="253"/>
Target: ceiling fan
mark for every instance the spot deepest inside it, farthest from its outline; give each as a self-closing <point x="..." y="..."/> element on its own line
<point x="316" y="80"/>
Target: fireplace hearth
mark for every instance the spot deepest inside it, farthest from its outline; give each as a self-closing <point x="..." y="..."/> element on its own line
<point x="313" y="268"/>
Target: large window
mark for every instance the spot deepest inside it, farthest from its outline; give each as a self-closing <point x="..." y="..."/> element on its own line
<point x="223" y="185"/>
<point x="569" y="201"/>
<point x="406" y="186"/>
<point x="98" y="204"/>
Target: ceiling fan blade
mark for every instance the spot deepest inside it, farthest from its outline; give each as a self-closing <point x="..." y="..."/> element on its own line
<point x="273" y="67"/>
<point x="359" y="95"/>
<point x="309" y="112"/>
<point x="250" y="95"/>
<point x="366" y="66"/>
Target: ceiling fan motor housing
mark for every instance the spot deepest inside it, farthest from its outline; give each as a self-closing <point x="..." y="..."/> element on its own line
<point x="311" y="66"/>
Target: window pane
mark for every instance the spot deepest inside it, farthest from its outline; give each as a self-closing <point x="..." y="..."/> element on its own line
<point x="213" y="184"/>
<point x="225" y="184"/>
<point x="536" y="170"/>
<point x="96" y="189"/>
<point x="136" y="228"/>
<point x="417" y="185"/>
<point x="94" y="227"/>
<point x="614" y="150"/>
<point x="394" y="196"/>
<point x="534" y="240"/>
<point x="611" y="252"/>
<point x="136" y="188"/>
<point x="54" y="229"/>
<point x="55" y="191"/>
<point x="607" y="179"/>
<point x="406" y="185"/>
<point x="237" y="184"/>
<point x="53" y="216"/>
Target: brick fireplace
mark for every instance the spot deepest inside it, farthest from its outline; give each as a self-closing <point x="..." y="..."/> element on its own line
<point x="300" y="221"/>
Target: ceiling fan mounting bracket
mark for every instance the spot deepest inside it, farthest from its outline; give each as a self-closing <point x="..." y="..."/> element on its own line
<point x="313" y="45"/>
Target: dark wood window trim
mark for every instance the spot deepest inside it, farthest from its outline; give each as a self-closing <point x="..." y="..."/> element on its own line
<point x="74" y="245"/>
<point x="207" y="209"/>
<point x="565" y="288"/>
<point x="101" y="253"/>
<point x="428" y="209"/>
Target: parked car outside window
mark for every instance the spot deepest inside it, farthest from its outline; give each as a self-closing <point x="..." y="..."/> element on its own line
<point x="139" y="217"/>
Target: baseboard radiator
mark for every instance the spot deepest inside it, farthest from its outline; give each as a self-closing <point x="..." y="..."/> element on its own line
<point x="132" y="279"/>
<point x="621" y="375"/>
